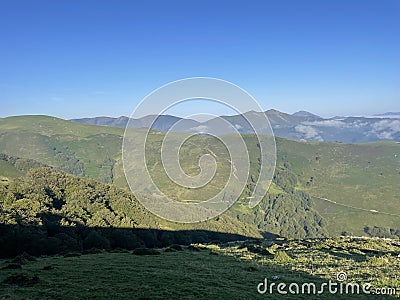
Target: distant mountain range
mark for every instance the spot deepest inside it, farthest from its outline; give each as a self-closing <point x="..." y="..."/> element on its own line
<point x="300" y="126"/>
<point x="389" y="115"/>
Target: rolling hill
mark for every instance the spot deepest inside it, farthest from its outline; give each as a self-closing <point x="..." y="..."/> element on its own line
<point x="319" y="188"/>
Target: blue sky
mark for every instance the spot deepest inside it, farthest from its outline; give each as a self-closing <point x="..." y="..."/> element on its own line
<point x="89" y="58"/>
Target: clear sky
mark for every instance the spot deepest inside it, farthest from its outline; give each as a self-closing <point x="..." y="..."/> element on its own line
<point x="89" y="58"/>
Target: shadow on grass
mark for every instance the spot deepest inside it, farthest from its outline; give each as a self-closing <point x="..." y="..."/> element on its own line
<point x="340" y="253"/>
<point x="171" y="274"/>
<point x="52" y="238"/>
<point x="357" y="254"/>
<point x="184" y="274"/>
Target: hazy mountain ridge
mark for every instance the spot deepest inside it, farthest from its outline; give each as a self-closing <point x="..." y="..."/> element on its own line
<point x="389" y="114"/>
<point x="300" y="126"/>
<point x="160" y="123"/>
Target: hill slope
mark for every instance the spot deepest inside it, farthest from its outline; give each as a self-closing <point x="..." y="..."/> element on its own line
<point x="319" y="188"/>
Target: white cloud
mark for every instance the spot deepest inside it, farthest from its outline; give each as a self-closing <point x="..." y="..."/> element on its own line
<point x="309" y="132"/>
<point x="327" y="123"/>
<point x="385" y="129"/>
<point x="359" y="124"/>
<point x="200" y="128"/>
<point x="393" y="125"/>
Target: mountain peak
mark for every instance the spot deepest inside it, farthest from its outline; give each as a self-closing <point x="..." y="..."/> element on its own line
<point x="273" y="111"/>
<point x="303" y="113"/>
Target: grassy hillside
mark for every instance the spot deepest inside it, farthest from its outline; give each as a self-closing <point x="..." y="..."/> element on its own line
<point x="57" y="207"/>
<point x="83" y="150"/>
<point x="212" y="271"/>
<point x="354" y="184"/>
<point x="14" y="167"/>
<point x="50" y="126"/>
<point x="73" y="201"/>
<point x="333" y="187"/>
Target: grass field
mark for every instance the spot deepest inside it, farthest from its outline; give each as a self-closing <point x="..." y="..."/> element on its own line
<point x="228" y="271"/>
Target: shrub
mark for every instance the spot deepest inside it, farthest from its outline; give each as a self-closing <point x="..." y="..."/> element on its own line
<point x="96" y="240"/>
<point x="145" y="251"/>
<point x="176" y="247"/>
<point x="193" y="248"/>
<point x="377" y="261"/>
<point x="282" y="257"/>
<point x="23" y="258"/>
<point x="72" y="254"/>
<point x="169" y="249"/>
<point x="92" y="251"/>
<point x="22" y="280"/>
<point x="11" y="267"/>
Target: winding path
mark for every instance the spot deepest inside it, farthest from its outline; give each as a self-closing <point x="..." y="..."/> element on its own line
<point x="358" y="208"/>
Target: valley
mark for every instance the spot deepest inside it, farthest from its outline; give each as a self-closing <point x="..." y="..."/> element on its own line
<point x="361" y="180"/>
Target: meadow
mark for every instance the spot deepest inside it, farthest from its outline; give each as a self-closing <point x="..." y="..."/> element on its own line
<point x="206" y="271"/>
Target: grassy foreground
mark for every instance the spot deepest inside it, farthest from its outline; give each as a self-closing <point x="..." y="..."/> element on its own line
<point x="228" y="271"/>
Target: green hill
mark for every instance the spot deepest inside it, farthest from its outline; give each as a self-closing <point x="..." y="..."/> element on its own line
<point x="50" y="126"/>
<point x="319" y="188"/>
<point x="48" y="211"/>
<point x="83" y="150"/>
<point x="354" y="185"/>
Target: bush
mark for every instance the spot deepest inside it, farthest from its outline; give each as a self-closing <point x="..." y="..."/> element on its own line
<point x="378" y="261"/>
<point x="96" y="240"/>
<point x="92" y="251"/>
<point x="282" y="257"/>
<point x="124" y="239"/>
<point x="145" y="251"/>
<point x="52" y="245"/>
<point x="23" y="258"/>
<point x="22" y="280"/>
<point x="176" y="247"/>
<point x="193" y="248"/>
<point x="11" y="267"/>
<point x="72" y="254"/>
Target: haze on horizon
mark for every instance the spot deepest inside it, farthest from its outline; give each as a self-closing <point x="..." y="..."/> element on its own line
<point x="96" y="58"/>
